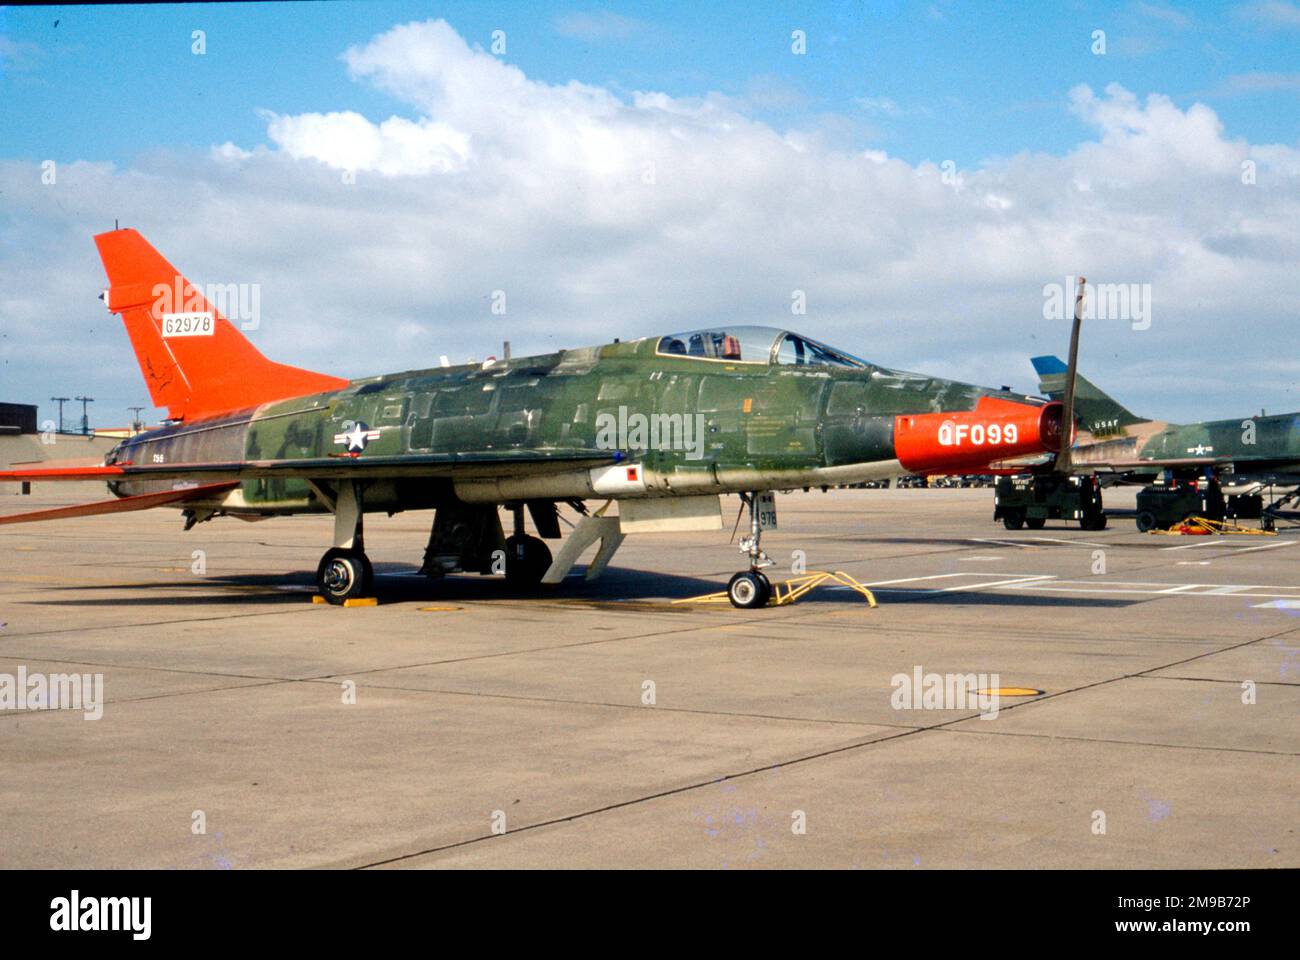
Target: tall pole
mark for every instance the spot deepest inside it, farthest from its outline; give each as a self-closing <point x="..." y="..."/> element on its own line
<point x="136" y="424"/>
<point x="1071" y="373"/>
<point x="85" y="418"/>
<point x="60" y="401"/>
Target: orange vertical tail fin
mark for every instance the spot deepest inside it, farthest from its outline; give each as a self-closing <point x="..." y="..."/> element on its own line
<point x="195" y="361"/>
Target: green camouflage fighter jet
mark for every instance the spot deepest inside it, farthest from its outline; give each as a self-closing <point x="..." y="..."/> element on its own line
<point x="1181" y="464"/>
<point x="662" y="425"/>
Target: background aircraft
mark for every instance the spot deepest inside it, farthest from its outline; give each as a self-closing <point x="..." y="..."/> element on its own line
<point x="1183" y="464"/>
<point x="663" y="425"/>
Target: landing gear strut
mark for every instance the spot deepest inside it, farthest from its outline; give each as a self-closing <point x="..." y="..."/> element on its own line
<point x="1276" y="508"/>
<point x="345" y="573"/>
<point x="750" y="589"/>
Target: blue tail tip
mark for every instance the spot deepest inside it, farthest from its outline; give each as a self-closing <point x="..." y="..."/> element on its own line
<point x="1048" y="364"/>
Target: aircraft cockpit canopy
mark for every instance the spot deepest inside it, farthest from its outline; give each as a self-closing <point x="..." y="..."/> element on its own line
<point x="745" y="344"/>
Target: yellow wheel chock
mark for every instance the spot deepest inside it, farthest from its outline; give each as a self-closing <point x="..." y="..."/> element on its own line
<point x="789" y="591"/>
<point x="1202" y="526"/>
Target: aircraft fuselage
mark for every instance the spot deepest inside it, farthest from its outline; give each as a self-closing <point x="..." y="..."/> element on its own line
<point x="690" y="425"/>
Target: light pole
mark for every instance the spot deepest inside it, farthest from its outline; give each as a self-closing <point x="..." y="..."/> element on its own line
<point x="85" y="419"/>
<point x="137" y="425"/>
<point x="60" y="401"/>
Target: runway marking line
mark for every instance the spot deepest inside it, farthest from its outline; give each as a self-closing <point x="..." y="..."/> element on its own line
<point x="1049" y="583"/>
<point x="1015" y="582"/>
<point x="936" y="576"/>
<point x="1269" y="546"/>
<point x="1237" y="547"/>
<point x="1190" y="546"/>
<point x="1027" y="545"/>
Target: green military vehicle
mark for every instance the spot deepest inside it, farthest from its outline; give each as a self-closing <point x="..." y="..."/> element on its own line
<point x="1030" y="500"/>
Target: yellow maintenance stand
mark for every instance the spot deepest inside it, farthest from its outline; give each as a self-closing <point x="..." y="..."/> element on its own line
<point x="788" y="591"/>
<point x="1204" y="526"/>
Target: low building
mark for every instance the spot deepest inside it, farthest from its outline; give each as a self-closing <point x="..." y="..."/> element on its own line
<point x="22" y="445"/>
<point x="17" y="418"/>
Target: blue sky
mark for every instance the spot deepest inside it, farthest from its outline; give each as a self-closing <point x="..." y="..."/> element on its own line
<point x="960" y="81"/>
<point x="640" y="168"/>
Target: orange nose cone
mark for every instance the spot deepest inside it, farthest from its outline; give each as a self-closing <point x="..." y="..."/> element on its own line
<point x="971" y="441"/>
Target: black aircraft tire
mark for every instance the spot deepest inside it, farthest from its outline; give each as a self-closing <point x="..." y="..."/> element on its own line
<point x="749" y="590"/>
<point x="1093" y="522"/>
<point x="344" y="574"/>
<point x="527" y="560"/>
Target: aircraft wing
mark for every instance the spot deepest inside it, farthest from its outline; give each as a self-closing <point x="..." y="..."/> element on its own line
<point x="1126" y="466"/>
<point x="485" y="463"/>
<point x="1242" y="465"/>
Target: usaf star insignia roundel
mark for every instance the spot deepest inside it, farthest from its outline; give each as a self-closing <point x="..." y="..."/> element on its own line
<point x="356" y="438"/>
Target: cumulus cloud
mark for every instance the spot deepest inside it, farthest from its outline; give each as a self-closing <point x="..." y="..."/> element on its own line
<point x="351" y="142"/>
<point x="381" y="243"/>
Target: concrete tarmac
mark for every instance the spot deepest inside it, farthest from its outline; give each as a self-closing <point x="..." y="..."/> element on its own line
<point x="599" y="725"/>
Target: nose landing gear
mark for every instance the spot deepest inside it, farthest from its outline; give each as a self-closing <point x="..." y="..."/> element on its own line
<point x="750" y="589"/>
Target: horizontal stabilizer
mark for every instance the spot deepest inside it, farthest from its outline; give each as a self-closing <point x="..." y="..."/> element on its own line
<point x="63" y="473"/>
<point x="144" y="501"/>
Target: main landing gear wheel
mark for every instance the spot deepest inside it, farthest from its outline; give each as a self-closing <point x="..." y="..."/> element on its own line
<point x="1093" y="521"/>
<point x="344" y="574"/>
<point x="527" y="560"/>
<point x="749" y="590"/>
